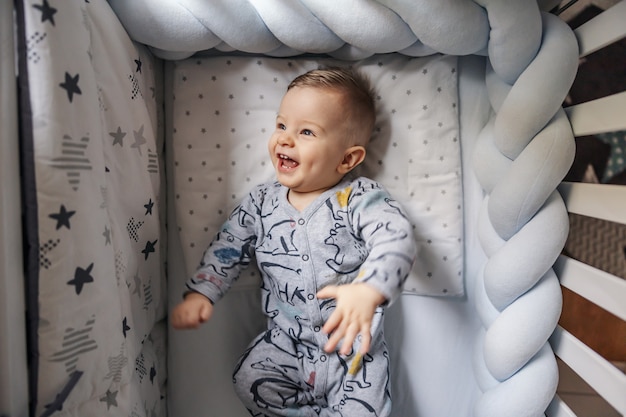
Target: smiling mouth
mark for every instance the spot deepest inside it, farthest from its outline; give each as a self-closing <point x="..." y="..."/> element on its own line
<point x="286" y="162"/>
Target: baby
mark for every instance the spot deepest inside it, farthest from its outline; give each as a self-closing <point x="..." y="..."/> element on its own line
<point x="333" y="250"/>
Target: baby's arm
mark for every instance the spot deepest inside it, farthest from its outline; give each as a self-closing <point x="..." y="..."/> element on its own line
<point x="229" y="252"/>
<point x="194" y="310"/>
<point x="384" y="227"/>
<point x="356" y="305"/>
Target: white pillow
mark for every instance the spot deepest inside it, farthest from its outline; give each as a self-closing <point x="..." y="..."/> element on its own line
<point x="224" y="110"/>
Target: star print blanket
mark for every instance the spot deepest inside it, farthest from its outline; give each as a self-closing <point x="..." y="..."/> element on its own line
<point x="92" y="175"/>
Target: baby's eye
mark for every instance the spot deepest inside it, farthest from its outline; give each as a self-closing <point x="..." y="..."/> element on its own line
<point x="307" y="132"/>
<point x="281" y="126"/>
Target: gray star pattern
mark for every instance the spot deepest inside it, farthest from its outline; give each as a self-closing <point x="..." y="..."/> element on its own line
<point x="139" y="139"/>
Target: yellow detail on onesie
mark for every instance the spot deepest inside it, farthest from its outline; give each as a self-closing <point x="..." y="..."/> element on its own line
<point x="342" y="196"/>
<point x="360" y="276"/>
<point x="355" y="366"/>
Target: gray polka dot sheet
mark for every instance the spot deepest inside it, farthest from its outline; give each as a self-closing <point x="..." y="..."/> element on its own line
<point x="224" y="109"/>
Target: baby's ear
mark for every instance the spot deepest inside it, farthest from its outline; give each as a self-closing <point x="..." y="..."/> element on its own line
<point x="351" y="158"/>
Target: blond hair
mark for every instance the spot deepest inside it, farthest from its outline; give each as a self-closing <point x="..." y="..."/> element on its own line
<point x="355" y="89"/>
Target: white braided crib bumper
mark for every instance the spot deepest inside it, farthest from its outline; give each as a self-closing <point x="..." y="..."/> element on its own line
<point x="143" y="122"/>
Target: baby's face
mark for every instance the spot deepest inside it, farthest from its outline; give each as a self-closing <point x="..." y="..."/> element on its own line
<point x="308" y="143"/>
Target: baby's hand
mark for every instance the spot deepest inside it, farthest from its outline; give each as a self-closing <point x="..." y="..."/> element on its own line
<point x="194" y="310"/>
<point x="356" y="305"/>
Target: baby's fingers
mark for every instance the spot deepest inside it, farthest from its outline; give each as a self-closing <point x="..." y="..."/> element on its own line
<point x="178" y="320"/>
<point x="333" y="328"/>
<point x="184" y="321"/>
<point x="205" y="312"/>
<point x="350" y="336"/>
<point x="328" y="292"/>
<point x="184" y="318"/>
<point x="333" y="322"/>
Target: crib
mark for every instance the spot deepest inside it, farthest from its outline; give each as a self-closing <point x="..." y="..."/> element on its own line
<point x="135" y="127"/>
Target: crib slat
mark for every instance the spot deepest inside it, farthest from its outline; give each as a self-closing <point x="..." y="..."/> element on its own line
<point x="604" y="29"/>
<point x="599" y="287"/>
<point x="601" y="375"/>
<point x="558" y="408"/>
<point x="603" y="115"/>
<point x="602" y="201"/>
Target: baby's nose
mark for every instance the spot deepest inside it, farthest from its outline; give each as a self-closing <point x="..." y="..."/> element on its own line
<point x="285" y="139"/>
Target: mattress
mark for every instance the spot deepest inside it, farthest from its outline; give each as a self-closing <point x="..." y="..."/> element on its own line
<point x="223" y="109"/>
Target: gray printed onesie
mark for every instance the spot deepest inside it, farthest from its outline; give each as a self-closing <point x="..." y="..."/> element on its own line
<point x="354" y="231"/>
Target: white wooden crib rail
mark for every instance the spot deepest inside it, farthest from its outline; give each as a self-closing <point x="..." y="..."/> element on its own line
<point x="606" y="202"/>
<point x="600" y="201"/>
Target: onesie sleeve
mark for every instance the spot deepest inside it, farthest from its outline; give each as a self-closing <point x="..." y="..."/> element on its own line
<point x="382" y="224"/>
<point x="230" y="251"/>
